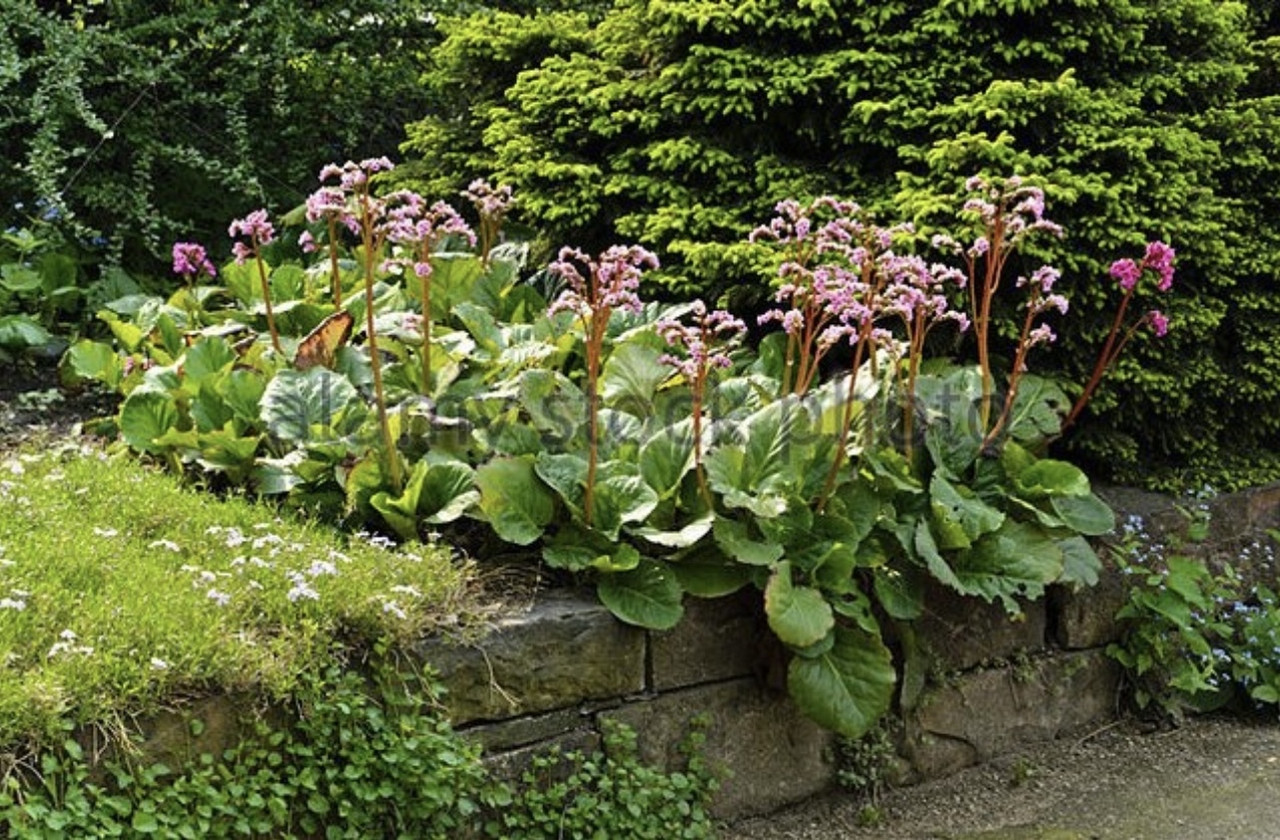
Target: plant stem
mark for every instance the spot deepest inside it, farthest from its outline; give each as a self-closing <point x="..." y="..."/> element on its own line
<point x="333" y="263"/>
<point x="425" y="288"/>
<point x="391" y="456"/>
<point x="1105" y="359"/>
<point x="266" y="295"/>
<point x="595" y="337"/>
<point x="1015" y="375"/>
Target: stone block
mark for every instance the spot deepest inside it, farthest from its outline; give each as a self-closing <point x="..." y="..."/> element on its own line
<point x="961" y="632"/>
<point x="510" y="765"/>
<point x="717" y="639"/>
<point x="985" y="713"/>
<point x="1086" y="618"/>
<point x="773" y="755"/>
<point x="529" y="729"/>
<point x="565" y="650"/>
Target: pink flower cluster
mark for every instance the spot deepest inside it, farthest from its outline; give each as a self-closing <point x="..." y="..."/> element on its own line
<point x="1128" y="273"/>
<point x="611" y="282"/>
<point x="190" y="259"/>
<point x="257" y="228"/>
<point x="490" y="202"/>
<point x="698" y="340"/>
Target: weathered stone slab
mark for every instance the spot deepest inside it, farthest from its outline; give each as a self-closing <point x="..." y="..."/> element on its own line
<point x="1086" y="618"/>
<point x="716" y="640"/>
<point x="775" y="755"/>
<point x="509" y="765"/>
<point x="962" y="632"/>
<point x="988" y="712"/>
<point x="529" y="729"/>
<point x="563" y="651"/>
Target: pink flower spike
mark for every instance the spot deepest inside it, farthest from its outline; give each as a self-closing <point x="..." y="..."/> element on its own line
<point x="1159" y="258"/>
<point x="1159" y="322"/>
<point x="190" y="259"/>
<point x="1126" y="272"/>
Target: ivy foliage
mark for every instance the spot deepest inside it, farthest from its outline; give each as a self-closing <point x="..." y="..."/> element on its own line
<point x="677" y="123"/>
<point x="359" y="758"/>
<point x="144" y="123"/>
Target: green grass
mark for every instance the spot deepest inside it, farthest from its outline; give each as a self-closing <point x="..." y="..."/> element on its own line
<point x="121" y="591"/>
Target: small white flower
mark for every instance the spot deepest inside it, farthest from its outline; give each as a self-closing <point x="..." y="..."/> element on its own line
<point x="158" y="664"/>
<point x="68" y="635"/>
<point x="12" y="604"/>
<point x="104" y="532"/>
<point x="392" y="608"/>
<point x="300" y="591"/>
<point x="322" y="567"/>
<point x="411" y="591"/>
<point x="218" y="597"/>
<point x="169" y="545"/>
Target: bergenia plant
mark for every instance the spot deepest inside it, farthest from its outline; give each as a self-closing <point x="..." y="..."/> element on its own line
<point x="492" y="205"/>
<point x="609" y="283"/>
<point x="703" y="347"/>
<point x="1158" y="261"/>
<point x="1007" y="213"/>
<point x="916" y="294"/>
<point x="259" y="231"/>
<point x="370" y="217"/>
<point x="419" y="233"/>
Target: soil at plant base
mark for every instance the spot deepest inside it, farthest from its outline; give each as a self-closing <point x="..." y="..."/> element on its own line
<point x="33" y="407"/>
<point x="1210" y="779"/>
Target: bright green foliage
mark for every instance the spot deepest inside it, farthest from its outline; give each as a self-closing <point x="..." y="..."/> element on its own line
<point x="120" y="589"/>
<point x="150" y="123"/>
<point x="1196" y="639"/>
<point x="678" y="124"/>
<point x="359" y="760"/>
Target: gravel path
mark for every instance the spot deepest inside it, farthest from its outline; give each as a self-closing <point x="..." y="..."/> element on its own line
<point x="1212" y="779"/>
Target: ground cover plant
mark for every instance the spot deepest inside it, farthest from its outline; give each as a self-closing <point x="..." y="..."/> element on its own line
<point x="123" y="591"/>
<point x="1197" y="637"/>
<point x="403" y="380"/>
<point x="367" y="754"/>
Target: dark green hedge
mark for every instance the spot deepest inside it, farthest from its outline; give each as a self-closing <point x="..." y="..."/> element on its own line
<point x="679" y="123"/>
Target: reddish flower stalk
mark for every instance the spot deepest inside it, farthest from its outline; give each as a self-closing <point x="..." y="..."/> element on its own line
<point x="1008" y="212"/>
<point x="1041" y="301"/>
<point x="260" y="232"/>
<point x="492" y="204"/>
<point x="700" y="359"/>
<point x="1158" y="259"/>
<point x="610" y="284"/>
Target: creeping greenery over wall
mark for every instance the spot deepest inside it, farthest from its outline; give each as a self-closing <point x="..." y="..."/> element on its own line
<point x="678" y="123"/>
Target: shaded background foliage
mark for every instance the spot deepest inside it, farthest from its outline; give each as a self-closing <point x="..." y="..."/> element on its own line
<point x="142" y="122"/>
<point x="679" y="123"/>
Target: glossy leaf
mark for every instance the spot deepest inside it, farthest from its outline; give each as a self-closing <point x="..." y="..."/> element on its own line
<point x="799" y="615"/>
<point x="294" y="402"/>
<point x="516" y="503"/>
<point x="647" y="596"/>
<point x="848" y="688"/>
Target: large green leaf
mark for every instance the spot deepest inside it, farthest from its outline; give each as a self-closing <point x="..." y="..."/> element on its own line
<point x="1047" y="477"/>
<point x="295" y="402"/>
<point x="1086" y="514"/>
<point x="145" y="416"/>
<point x="208" y="356"/>
<point x="848" y="688"/>
<point x="734" y="539"/>
<point x="647" y="596"/>
<point x="1017" y="560"/>
<point x="555" y="405"/>
<point x="682" y="537"/>
<point x="667" y="456"/>
<point x="448" y="490"/>
<point x="1080" y="565"/>
<point x="959" y="516"/>
<point x="707" y="573"/>
<point x="776" y="437"/>
<point x="453" y="277"/>
<point x="516" y="503"/>
<point x="1038" y="410"/>
<point x="799" y="615"/>
<point x="631" y="377"/>
<point x="900" y="593"/>
<point x="91" y="361"/>
<point x="19" y="332"/>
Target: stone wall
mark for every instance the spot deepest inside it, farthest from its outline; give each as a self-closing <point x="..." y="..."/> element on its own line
<point x="973" y="682"/>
